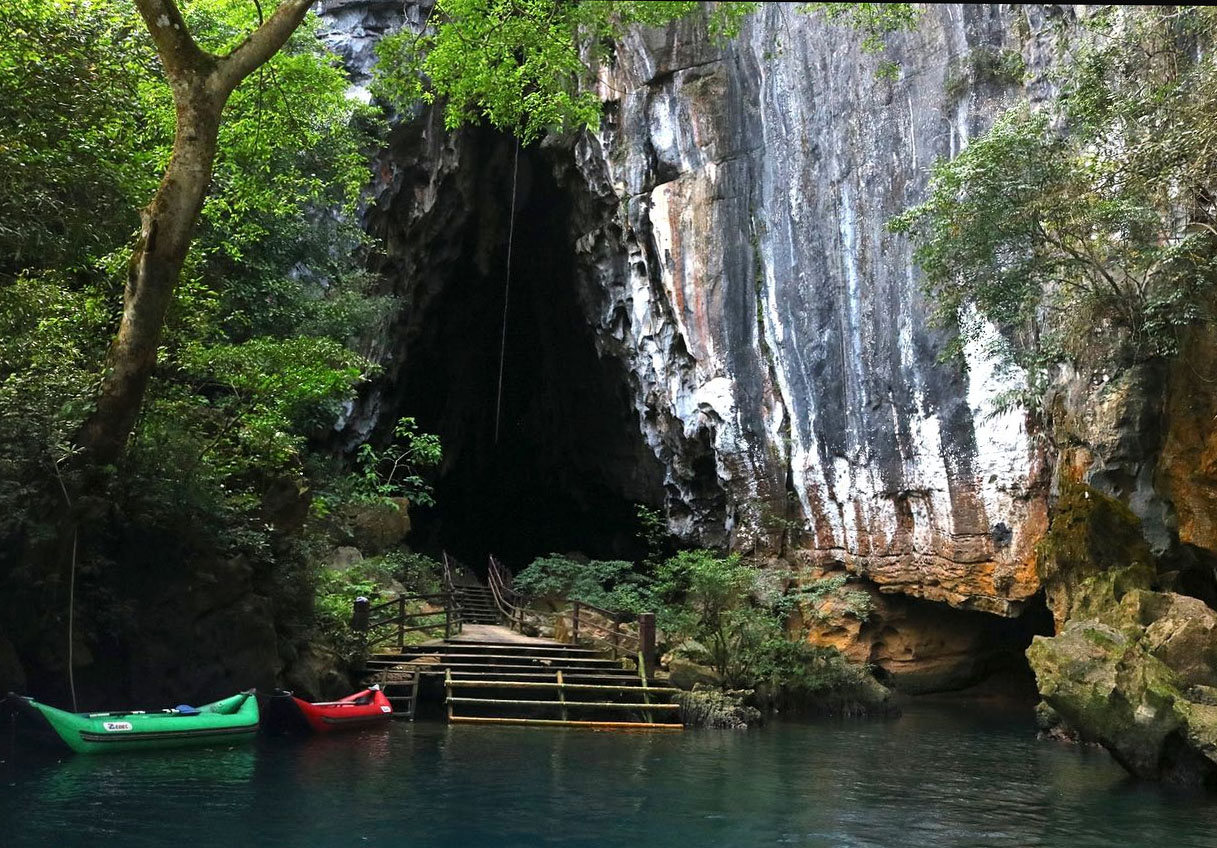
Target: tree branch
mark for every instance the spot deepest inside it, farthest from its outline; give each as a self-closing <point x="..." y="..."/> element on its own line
<point x="169" y="32"/>
<point x="262" y="43"/>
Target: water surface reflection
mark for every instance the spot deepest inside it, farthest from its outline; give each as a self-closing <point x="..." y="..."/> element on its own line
<point x="946" y="774"/>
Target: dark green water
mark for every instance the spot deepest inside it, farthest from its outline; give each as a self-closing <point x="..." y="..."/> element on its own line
<point x="964" y="774"/>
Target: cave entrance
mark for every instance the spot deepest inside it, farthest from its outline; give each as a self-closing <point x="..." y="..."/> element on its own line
<point x="559" y="465"/>
<point x="925" y="647"/>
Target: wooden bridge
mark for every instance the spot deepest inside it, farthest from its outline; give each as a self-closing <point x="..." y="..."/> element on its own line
<point x="598" y="670"/>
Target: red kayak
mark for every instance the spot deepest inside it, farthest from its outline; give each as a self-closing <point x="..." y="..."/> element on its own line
<point x="359" y="710"/>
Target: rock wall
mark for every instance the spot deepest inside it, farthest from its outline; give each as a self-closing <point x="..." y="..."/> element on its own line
<point x="731" y="258"/>
<point x="731" y="253"/>
<point x="764" y="309"/>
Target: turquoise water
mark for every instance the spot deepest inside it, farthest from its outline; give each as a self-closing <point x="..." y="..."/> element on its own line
<point x="963" y="774"/>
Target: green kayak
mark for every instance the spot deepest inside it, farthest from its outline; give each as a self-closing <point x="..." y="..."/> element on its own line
<point x="224" y="722"/>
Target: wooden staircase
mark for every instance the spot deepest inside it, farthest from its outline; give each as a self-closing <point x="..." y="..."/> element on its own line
<point x="476" y="603"/>
<point x="400" y="686"/>
<point x="531" y="682"/>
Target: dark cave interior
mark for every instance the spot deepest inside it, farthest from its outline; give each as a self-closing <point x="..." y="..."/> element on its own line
<point x="559" y="465"/>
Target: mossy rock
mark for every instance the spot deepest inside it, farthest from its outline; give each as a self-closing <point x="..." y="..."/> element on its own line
<point x="1137" y="682"/>
<point x="1094" y="553"/>
<point x="706" y="707"/>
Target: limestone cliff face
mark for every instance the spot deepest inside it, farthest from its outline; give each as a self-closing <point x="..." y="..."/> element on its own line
<point x="775" y="377"/>
<point x="771" y="337"/>
<point x="764" y="309"/>
<point x="728" y="224"/>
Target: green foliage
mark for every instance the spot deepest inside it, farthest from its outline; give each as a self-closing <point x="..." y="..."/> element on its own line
<point x="523" y="65"/>
<point x="711" y="601"/>
<point x="71" y="158"/>
<point x="809" y="595"/>
<point x="654" y="535"/>
<point x="983" y="65"/>
<point x="395" y="471"/>
<point x="373" y="578"/>
<point x="610" y="584"/>
<point x="1084" y="230"/>
<point x="717" y="602"/>
<point x="806" y="672"/>
<point x="873" y="21"/>
<point x="260" y="349"/>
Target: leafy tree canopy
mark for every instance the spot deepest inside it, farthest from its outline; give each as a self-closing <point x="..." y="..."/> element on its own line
<point x="1085" y="229"/>
<point x="257" y="355"/>
<point x="523" y="65"/>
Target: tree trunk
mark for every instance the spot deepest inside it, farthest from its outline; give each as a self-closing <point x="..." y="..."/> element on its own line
<point x="152" y="275"/>
<point x="201" y="84"/>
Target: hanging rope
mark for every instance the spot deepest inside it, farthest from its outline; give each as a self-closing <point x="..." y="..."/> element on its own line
<point x="72" y="619"/>
<point x="511" y="231"/>
<point x="71" y="585"/>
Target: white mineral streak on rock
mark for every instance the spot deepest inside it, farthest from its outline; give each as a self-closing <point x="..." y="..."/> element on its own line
<point x="776" y="335"/>
<point x="896" y="465"/>
<point x="1002" y="448"/>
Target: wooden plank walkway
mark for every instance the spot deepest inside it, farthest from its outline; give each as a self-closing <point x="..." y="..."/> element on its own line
<point x="482" y="670"/>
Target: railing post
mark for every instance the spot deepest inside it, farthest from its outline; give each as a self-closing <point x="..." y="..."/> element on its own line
<point x="401" y="623"/>
<point x="562" y="695"/>
<point x="360" y="615"/>
<point x="574" y="623"/>
<point x="646" y="643"/>
<point x="616" y="634"/>
<point x="448" y="602"/>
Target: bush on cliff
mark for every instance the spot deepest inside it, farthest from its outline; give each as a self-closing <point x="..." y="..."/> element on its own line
<point x="1083" y="228"/>
<point x="714" y="610"/>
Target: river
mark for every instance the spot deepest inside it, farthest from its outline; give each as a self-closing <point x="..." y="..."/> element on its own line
<point x="947" y="773"/>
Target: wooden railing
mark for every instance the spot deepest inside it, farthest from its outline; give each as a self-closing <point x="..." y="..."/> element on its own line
<point x="611" y="631"/>
<point x="449" y="583"/>
<point x="388" y="623"/>
<point x="509" y="603"/>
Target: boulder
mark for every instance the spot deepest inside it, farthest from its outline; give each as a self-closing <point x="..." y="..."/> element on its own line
<point x="709" y="707"/>
<point x="376" y="527"/>
<point x="344" y="557"/>
<point x="1137" y="682"/>
<point x="315" y="673"/>
<point x="686" y="674"/>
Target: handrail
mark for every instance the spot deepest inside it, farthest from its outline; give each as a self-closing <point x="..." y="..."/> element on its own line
<point x="617" y="638"/>
<point x="449" y="585"/>
<point x="620" y="638"/>
<point x="443" y="596"/>
<point x="405" y="620"/>
<point x="613" y="614"/>
<point x="505" y="596"/>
